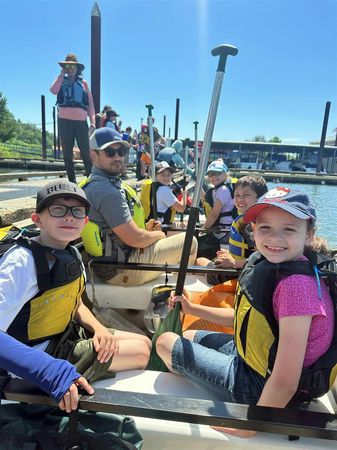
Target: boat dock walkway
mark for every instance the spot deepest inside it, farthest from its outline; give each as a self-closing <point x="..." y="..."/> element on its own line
<point x="18" y="198"/>
<point x="18" y="189"/>
<point x="288" y="177"/>
<point x="18" y="193"/>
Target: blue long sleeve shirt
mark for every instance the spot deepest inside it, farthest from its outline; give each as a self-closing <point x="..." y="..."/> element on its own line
<point x="53" y="376"/>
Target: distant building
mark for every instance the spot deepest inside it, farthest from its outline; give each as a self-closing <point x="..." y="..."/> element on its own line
<point x="274" y="156"/>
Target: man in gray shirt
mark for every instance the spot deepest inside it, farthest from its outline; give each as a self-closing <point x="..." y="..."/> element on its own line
<point x="110" y="210"/>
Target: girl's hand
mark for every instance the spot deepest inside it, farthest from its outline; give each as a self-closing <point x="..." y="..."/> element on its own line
<point x="236" y="432"/>
<point x="185" y="303"/>
<point x="105" y="344"/>
<point x="69" y="401"/>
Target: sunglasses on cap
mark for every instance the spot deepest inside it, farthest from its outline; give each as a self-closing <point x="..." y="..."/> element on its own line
<point x="79" y="212"/>
<point x="111" y="152"/>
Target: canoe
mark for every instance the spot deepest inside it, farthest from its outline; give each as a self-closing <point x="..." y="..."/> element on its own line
<point x="168" y="434"/>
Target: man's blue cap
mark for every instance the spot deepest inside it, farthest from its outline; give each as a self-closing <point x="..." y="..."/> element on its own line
<point x="104" y="137"/>
<point x="292" y="201"/>
<point x="217" y="166"/>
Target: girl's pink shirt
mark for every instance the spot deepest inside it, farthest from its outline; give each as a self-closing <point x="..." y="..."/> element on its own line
<point x="297" y="295"/>
<point x="74" y="113"/>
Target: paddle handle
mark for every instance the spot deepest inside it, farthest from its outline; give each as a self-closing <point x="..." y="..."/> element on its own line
<point x="153" y="166"/>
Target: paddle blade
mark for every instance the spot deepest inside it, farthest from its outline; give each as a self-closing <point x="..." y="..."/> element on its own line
<point x="172" y="323"/>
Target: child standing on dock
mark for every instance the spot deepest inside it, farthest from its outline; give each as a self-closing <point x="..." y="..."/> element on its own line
<point x="41" y="285"/>
<point x="282" y="303"/>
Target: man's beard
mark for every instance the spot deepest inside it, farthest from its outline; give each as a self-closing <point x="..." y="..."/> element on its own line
<point x="116" y="169"/>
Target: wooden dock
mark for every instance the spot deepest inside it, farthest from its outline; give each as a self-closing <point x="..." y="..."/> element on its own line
<point x="287" y="177"/>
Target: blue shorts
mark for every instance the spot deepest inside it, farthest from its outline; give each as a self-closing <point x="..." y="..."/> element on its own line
<point x="212" y="362"/>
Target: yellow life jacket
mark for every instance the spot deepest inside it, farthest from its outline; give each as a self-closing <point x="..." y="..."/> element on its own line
<point x="92" y="236"/>
<point x="146" y="200"/>
<point x="51" y="310"/>
<point x="256" y="330"/>
<point x="135" y="205"/>
<point x="239" y="248"/>
<point x="208" y="201"/>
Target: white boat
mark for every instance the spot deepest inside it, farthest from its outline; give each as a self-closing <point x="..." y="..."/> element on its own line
<point x="165" y="434"/>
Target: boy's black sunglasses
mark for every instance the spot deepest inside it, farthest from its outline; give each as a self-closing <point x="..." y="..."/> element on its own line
<point x="79" y="212"/>
<point x="111" y="152"/>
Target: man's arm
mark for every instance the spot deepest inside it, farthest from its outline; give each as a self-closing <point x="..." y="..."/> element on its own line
<point x="137" y="237"/>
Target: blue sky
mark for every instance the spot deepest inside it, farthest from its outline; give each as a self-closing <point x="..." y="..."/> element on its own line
<point x="154" y="51"/>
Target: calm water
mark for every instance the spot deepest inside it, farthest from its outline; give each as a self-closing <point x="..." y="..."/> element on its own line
<point x="324" y="198"/>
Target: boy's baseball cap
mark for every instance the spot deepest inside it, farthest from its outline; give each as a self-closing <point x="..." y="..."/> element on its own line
<point x="290" y="200"/>
<point x="59" y="189"/>
<point x="217" y="166"/>
<point x="163" y="165"/>
<point x="104" y="137"/>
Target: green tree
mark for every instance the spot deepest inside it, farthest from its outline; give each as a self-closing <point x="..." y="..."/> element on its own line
<point x="7" y="121"/>
<point x="276" y="140"/>
<point x="259" y="138"/>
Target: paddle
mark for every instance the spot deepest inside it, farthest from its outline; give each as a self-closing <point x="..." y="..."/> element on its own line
<point x="196" y="149"/>
<point x="153" y="165"/>
<point x="172" y="322"/>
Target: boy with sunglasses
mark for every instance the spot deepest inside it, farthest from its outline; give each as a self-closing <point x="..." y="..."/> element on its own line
<point x="124" y="239"/>
<point x="41" y="285"/>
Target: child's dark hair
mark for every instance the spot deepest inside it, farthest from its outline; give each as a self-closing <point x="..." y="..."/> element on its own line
<point x="257" y="184"/>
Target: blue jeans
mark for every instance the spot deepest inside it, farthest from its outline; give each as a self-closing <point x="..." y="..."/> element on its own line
<point x="212" y="362"/>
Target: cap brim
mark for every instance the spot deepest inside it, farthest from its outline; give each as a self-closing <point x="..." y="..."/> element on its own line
<point x="217" y="171"/>
<point x="253" y="211"/>
<point x="171" y="169"/>
<point x="123" y="143"/>
<point x="45" y="202"/>
<point x="62" y="63"/>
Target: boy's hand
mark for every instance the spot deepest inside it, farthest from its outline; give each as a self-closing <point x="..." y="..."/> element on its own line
<point x="185" y="303"/>
<point x="69" y="401"/>
<point x="224" y="259"/>
<point x="105" y="344"/>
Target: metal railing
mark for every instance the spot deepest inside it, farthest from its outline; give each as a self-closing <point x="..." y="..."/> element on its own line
<point x="27" y="150"/>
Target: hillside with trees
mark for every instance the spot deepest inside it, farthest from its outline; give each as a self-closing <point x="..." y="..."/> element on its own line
<point x="15" y="132"/>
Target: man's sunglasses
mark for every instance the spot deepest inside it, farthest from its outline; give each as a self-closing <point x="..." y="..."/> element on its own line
<point x="111" y="152"/>
<point x="69" y="66"/>
<point x="79" y="212"/>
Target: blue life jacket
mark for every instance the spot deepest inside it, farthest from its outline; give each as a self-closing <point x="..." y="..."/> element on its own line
<point x="72" y="94"/>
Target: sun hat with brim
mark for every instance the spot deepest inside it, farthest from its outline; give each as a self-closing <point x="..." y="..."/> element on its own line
<point x="71" y="59"/>
<point x="163" y="165"/>
<point x="217" y="166"/>
<point x="59" y="189"/>
<point x="104" y="137"/>
<point x="292" y="201"/>
<point x="112" y="113"/>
